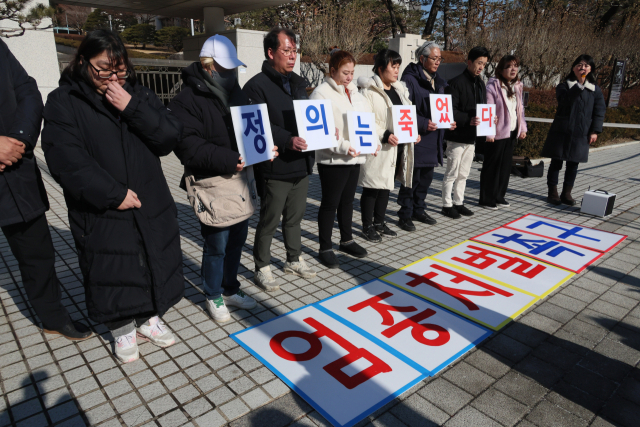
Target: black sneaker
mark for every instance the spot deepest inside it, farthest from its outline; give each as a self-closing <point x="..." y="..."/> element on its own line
<point x="463" y="210"/>
<point x="450" y="212"/>
<point x="489" y="207"/>
<point x="329" y="259"/>
<point x="424" y="218"/>
<point x="384" y="230"/>
<point x="74" y="331"/>
<point x="371" y="234"/>
<point x="503" y="203"/>
<point x="406" y="224"/>
<point x="353" y="249"/>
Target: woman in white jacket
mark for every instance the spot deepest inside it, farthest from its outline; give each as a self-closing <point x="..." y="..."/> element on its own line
<point x="394" y="161"/>
<point x="339" y="167"/>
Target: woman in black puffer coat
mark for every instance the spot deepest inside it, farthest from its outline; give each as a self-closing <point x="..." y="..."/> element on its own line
<point x="103" y="136"/>
<point x="576" y="126"/>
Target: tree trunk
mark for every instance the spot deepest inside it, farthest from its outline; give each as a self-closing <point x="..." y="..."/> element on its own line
<point x="392" y="16"/>
<point x="445" y="26"/>
<point x="472" y="10"/>
<point x="431" y="20"/>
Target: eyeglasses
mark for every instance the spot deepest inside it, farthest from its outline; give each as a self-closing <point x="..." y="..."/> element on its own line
<point x="289" y="52"/>
<point x="106" y="74"/>
<point x="436" y="60"/>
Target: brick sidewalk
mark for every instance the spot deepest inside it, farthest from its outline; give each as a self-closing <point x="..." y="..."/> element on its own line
<point x="572" y="359"/>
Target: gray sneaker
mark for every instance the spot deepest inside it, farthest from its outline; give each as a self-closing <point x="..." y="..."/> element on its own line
<point x="299" y="268"/>
<point x="265" y="280"/>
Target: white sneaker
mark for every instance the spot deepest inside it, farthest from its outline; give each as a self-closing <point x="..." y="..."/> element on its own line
<point x="240" y="300"/>
<point x="127" y="348"/>
<point x="156" y="332"/>
<point x="299" y="268"/>
<point x="265" y="280"/>
<point x="218" y="310"/>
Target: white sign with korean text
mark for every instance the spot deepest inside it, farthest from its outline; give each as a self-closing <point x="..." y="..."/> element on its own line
<point x="362" y="132"/>
<point x="429" y="335"/>
<point x="441" y="110"/>
<point x="253" y="133"/>
<point x="316" y="125"/>
<point x="487" y="114"/>
<point x="405" y="123"/>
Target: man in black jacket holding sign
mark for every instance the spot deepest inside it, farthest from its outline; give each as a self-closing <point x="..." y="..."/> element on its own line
<point x="467" y="90"/>
<point x="283" y="183"/>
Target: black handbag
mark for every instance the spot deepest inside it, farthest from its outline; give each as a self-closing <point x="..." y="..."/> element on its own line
<point x="521" y="166"/>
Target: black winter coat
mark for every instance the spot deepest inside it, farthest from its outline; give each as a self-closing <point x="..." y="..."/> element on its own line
<point x="466" y="92"/>
<point x="428" y="152"/>
<point x="131" y="260"/>
<point x="580" y="113"/>
<point x="267" y="88"/>
<point x="208" y="147"/>
<point x="22" y="193"/>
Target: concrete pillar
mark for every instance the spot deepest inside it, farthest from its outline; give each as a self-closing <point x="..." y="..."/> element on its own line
<point x="213" y="20"/>
<point x="406" y="45"/>
<point x="158" y="22"/>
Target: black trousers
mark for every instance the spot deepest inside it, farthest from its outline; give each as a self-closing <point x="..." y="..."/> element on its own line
<point x="412" y="200"/>
<point x="31" y="245"/>
<point x="373" y="206"/>
<point x="496" y="169"/>
<point x="570" y="172"/>
<point x="338" y="184"/>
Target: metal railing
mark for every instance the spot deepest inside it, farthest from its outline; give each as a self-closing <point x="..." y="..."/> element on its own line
<point x="163" y="76"/>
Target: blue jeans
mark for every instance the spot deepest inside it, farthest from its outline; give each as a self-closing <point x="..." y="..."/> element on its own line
<point x="221" y="258"/>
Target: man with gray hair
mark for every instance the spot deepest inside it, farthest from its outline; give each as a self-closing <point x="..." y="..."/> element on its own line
<point x="422" y="80"/>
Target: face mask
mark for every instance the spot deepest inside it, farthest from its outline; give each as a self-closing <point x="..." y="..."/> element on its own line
<point x="226" y="79"/>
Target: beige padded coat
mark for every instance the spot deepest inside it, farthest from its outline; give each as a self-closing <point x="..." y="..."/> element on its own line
<point x="379" y="172"/>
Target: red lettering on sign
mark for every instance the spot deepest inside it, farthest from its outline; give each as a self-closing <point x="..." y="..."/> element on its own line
<point x="405" y="122"/>
<point x="442" y="103"/>
<point x="485" y="119"/>
<point x="444" y="118"/>
<point x="483" y="255"/>
<point x="334" y="368"/>
<point x="382" y="309"/>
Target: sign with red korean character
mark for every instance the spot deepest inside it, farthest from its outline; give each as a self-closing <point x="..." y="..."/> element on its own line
<point x="342" y="374"/>
<point x="601" y="241"/>
<point x="505" y="267"/>
<point x="561" y="254"/>
<point x="427" y="334"/>
<point x="487" y="114"/>
<point x="488" y="303"/>
<point x="253" y="133"/>
<point x="441" y="110"/>
<point x="405" y="123"/>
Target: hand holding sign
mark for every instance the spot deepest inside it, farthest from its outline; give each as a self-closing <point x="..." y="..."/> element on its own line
<point x="314" y="118"/>
<point x="487" y="116"/>
<point x="362" y="132"/>
<point x="405" y="126"/>
<point x="441" y="110"/>
<point x="253" y="133"/>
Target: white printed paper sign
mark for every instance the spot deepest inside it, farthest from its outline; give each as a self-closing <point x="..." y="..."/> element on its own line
<point x="505" y="267"/>
<point x="253" y="133"/>
<point x="362" y="132"/>
<point x="427" y="334"/>
<point x="589" y="238"/>
<point x="487" y="114"/>
<point x="405" y="123"/>
<point x="441" y="110"/>
<point x="485" y="302"/>
<point x="339" y="372"/>
<point x="565" y="255"/>
<point x="316" y="125"/>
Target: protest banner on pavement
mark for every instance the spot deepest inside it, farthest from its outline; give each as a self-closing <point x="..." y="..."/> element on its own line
<point x="441" y="110"/>
<point x="602" y="241"/>
<point x="362" y="132"/>
<point x="487" y="114"/>
<point x="314" y="118"/>
<point x="253" y="133"/>
<point x="405" y="123"/>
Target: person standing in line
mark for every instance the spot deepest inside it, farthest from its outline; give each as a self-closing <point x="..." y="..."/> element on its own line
<point x="103" y="137"/>
<point x="394" y="161"/>
<point x="505" y="91"/>
<point x="209" y="149"/>
<point x="466" y="90"/>
<point x="283" y="183"/>
<point x="339" y="167"/>
<point x="23" y="198"/>
<point x="578" y="121"/>
<point x="422" y="80"/>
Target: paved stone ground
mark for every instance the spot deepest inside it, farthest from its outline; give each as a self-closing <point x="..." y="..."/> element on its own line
<point x="570" y="360"/>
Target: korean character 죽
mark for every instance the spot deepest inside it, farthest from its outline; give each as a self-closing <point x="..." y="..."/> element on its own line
<point x="259" y="142"/>
<point x="406" y="122"/>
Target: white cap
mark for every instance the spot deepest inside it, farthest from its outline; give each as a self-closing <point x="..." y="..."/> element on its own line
<point x="222" y="51"/>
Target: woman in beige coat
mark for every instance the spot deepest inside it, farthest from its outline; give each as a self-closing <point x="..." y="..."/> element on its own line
<point x="394" y="161"/>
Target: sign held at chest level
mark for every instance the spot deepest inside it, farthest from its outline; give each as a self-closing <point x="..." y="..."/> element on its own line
<point x="362" y="131"/>
<point x="441" y="110"/>
<point x="316" y="125"/>
<point x="487" y="114"/>
<point x="253" y="133"/>
<point x="405" y="123"/>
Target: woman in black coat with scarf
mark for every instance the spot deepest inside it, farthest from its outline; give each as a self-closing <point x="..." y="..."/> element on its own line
<point x="576" y="126"/>
<point x="102" y="138"/>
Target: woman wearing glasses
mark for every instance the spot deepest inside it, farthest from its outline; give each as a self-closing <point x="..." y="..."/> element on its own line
<point x="103" y="136"/>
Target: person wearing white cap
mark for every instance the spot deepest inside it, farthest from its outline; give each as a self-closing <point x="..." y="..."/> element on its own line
<point x="209" y="149"/>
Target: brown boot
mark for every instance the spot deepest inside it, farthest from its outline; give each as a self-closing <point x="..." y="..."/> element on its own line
<point x="553" y="197"/>
<point x="565" y="197"/>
